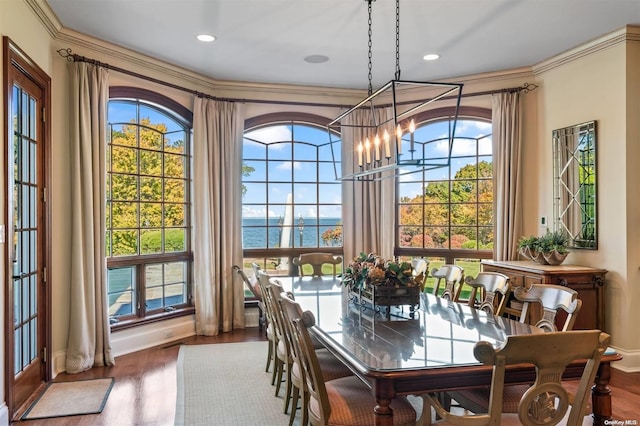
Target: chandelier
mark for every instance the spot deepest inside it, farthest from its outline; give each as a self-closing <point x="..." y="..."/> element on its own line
<point x="378" y="134"/>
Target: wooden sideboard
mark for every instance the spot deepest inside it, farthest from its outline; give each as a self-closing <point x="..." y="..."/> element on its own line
<point x="588" y="282"/>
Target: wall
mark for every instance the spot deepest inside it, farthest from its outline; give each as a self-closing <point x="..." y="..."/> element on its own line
<point x="583" y="88"/>
<point x="18" y="22"/>
<point x="595" y="83"/>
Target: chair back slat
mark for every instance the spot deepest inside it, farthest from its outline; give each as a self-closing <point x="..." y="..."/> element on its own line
<point x="452" y="275"/>
<point x="494" y="289"/>
<point x="316" y="260"/>
<point x="552" y="298"/>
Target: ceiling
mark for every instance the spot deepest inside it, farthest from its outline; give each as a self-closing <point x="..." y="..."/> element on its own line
<point x="267" y="41"/>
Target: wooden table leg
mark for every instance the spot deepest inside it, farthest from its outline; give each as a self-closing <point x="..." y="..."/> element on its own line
<point x="383" y="413"/>
<point x="384" y="393"/>
<point x="601" y="395"/>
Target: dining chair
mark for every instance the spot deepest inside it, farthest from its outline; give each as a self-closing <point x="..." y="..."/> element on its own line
<point x="316" y="261"/>
<point x="254" y="288"/>
<point x="552" y="299"/>
<point x="283" y="359"/>
<point x="420" y="268"/>
<point x="452" y="275"/>
<point x="494" y="291"/>
<point x="342" y="401"/>
<point x="546" y="401"/>
<point x="330" y="366"/>
<point x="263" y="283"/>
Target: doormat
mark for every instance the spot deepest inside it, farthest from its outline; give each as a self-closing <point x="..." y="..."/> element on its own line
<point x="75" y="398"/>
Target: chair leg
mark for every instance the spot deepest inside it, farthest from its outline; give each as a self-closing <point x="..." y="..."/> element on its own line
<point x="276" y="369"/>
<point x="305" y="408"/>
<point x="294" y="405"/>
<point x="269" y="356"/>
<point x="280" y="368"/>
<point x="287" y="396"/>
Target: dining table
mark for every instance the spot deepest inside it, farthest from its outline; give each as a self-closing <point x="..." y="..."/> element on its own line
<point x="398" y="351"/>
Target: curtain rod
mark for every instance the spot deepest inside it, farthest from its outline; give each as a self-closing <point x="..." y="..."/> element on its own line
<point x="72" y="57"/>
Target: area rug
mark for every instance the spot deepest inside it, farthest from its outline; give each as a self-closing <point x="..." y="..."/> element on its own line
<point x="225" y="384"/>
<point x="70" y="399"/>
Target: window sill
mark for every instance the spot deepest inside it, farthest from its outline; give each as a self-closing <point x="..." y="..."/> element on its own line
<point x="163" y="316"/>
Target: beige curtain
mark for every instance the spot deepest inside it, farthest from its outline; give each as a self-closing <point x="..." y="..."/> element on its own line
<point x="368" y="206"/>
<point x="217" y="219"/>
<point x="88" y="342"/>
<point x="507" y="193"/>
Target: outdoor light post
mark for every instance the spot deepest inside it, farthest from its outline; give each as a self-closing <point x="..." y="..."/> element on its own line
<point x="300" y="228"/>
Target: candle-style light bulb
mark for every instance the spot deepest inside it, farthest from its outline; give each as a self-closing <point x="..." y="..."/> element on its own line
<point x="412" y="128"/>
<point x="399" y="139"/>
<point x="367" y="148"/>
<point x="360" y="154"/>
<point x="387" y="144"/>
<point x="376" y="144"/>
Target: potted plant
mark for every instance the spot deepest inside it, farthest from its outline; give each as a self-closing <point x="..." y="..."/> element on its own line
<point x="549" y="249"/>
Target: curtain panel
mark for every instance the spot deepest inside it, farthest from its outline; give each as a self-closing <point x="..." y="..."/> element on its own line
<point x="367" y="206"/>
<point x="507" y="141"/>
<point x="88" y="342"/>
<point x="218" y="128"/>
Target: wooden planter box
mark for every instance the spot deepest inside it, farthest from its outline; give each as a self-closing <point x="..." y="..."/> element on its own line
<point x="386" y="296"/>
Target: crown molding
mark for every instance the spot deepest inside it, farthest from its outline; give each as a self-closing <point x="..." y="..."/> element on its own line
<point x="127" y="59"/>
<point x="623" y="35"/>
<point x="46" y="16"/>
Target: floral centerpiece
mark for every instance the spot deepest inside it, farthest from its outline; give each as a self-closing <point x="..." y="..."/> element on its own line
<point x="374" y="270"/>
<point x="377" y="281"/>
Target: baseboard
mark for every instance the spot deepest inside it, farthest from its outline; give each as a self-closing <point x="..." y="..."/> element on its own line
<point x="4" y="415"/>
<point x="146" y="336"/>
<point x="630" y="362"/>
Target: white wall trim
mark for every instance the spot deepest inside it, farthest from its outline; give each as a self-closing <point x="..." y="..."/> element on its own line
<point x="630" y="362"/>
<point x="4" y="415"/>
<point x="135" y="339"/>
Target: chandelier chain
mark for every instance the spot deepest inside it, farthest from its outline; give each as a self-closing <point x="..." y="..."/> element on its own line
<point x="397" y="39"/>
<point x="370" y="91"/>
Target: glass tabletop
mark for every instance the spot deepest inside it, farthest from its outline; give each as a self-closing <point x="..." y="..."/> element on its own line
<point x="440" y="333"/>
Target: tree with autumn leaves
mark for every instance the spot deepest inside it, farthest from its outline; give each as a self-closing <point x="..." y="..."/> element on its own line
<point x="466" y="203"/>
<point x="146" y="190"/>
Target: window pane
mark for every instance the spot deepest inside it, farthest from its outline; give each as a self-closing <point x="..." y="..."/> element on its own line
<point x="120" y="287"/>
<point x="150" y="215"/>
<point x="151" y="163"/>
<point x="175" y="142"/>
<point x="125" y="215"/>
<point x="305" y="171"/>
<point x="124" y="187"/>
<point x="175" y="240"/>
<point x="125" y="242"/>
<point x="174" y="190"/>
<point x="174" y="215"/>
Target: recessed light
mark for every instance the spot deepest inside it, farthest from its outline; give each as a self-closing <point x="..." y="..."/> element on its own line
<point x="431" y="57"/>
<point x="206" y="37"/>
<point x="316" y="59"/>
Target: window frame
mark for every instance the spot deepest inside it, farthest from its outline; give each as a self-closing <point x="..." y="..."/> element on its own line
<point x="448" y="255"/>
<point x="140" y="315"/>
<point x="262" y="255"/>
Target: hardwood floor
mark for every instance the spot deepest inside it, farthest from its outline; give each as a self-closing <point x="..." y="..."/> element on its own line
<point x="145" y="388"/>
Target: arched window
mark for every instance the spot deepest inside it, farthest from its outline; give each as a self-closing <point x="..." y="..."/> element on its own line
<point x="446" y="214"/>
<point x="148" y="207"/>
<point x="291" y="200"/>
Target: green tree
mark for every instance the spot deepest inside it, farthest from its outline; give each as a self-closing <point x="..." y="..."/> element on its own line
<point x="147" y="172"/>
